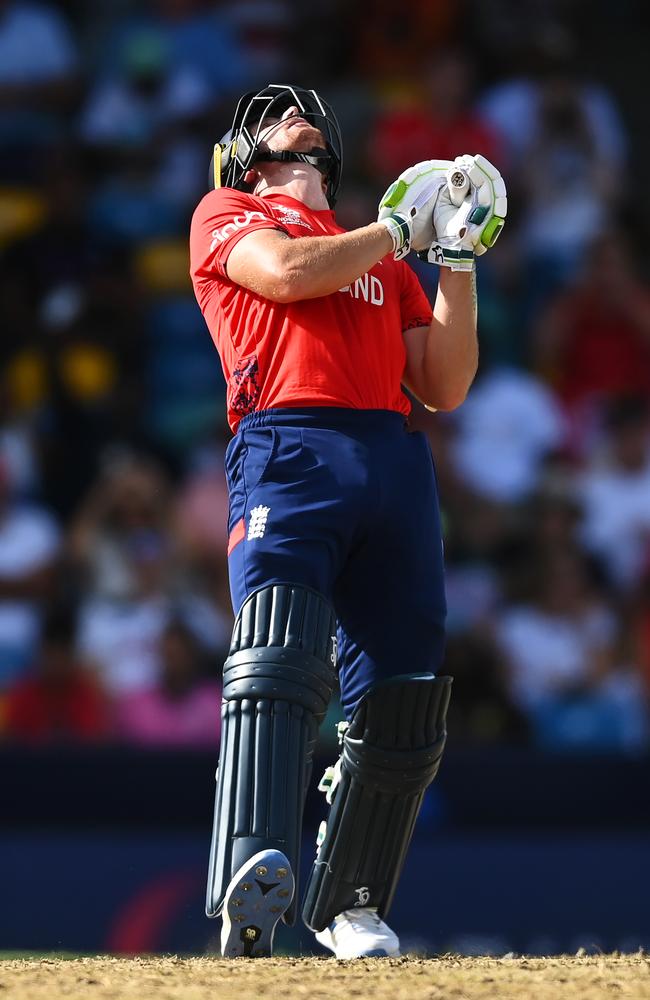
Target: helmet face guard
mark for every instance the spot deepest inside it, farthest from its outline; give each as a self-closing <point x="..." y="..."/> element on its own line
<point x="239" y="149"/>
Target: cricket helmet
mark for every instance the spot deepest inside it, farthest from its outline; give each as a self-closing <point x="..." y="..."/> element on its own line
<point x="240" y="148"/>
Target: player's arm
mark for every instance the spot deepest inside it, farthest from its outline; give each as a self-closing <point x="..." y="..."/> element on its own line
<point x="288" y="270"/>
<point x="283" y="269"/>
<point x="441" y="359"/>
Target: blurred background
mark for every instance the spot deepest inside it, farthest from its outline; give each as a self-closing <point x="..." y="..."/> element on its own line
<point x="114" y="607"/>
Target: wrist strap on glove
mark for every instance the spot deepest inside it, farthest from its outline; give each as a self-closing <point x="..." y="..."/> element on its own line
<point x="457" y="259"/>
<point x="399" y="231"/>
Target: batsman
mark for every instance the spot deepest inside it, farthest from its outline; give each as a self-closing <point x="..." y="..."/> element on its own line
<point x="335" y="551"/>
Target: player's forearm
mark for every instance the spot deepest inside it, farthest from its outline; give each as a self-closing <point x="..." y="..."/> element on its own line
<point x="314" y="266"/>
<point x="450" y="357"/>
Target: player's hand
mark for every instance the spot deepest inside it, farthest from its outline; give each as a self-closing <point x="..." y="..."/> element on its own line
<point x="489" y="202"/>
<point x="471" y="225"/>
<point x="406" y="208"/>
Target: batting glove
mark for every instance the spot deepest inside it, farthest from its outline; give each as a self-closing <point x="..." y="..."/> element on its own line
<point x="406" y="208"/>
<point x="469" y="213"/>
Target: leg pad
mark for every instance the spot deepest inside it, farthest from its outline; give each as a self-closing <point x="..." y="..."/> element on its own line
<point x="391" y="753"/>
<point x="277" y="682"/>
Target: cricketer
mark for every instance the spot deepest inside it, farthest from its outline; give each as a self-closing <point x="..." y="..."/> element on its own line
<point x="335" y="554"/>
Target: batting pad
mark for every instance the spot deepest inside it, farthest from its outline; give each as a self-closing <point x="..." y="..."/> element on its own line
<point x="277" y="683"/>
<point x="391" y="753"/>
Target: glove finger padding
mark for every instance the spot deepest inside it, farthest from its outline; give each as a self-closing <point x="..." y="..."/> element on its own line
<point x="488" y="204"/>
<point x="461" y="231"/>
<point x="408" y="204"/>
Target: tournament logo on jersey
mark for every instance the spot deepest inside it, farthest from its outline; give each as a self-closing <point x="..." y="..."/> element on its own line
<point x="292" y="218"/>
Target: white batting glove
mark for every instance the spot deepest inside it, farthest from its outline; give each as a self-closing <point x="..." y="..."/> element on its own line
<point x="471" y="225"/>
<point x="452" y="246"/>
<point x="489" y="201"/>
<point x="406" y="208"/>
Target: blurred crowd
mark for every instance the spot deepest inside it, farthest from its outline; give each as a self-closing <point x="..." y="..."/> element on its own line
<point x="114" y="608"/>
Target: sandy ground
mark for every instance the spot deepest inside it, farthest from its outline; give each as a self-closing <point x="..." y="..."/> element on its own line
<point x="447" y="978"/>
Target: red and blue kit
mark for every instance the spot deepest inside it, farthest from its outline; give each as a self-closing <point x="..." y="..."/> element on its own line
<point x="328" y="487"/>
<point x="341" y="350"/>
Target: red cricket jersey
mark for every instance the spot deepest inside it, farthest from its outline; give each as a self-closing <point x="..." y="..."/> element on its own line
<point x="344" y="349"/>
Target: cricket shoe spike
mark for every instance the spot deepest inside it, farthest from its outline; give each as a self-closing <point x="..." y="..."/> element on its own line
<point x="359" y="933"/>
<point x="257" y="897"/>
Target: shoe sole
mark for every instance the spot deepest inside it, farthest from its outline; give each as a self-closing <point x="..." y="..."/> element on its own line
<point x="259" y="894"/>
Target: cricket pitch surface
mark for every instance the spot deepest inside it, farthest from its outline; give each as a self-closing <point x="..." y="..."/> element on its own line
<point x="410" y="978"/>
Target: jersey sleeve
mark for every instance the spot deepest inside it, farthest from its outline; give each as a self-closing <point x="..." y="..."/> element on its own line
<point x="220" y="221"/>
<point x="414" y="305"/>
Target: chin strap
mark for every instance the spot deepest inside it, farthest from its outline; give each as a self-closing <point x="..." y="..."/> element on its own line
<point x="318" y="158"/>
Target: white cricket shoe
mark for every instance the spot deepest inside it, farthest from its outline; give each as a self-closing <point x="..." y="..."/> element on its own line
<point x="359" y="933"/>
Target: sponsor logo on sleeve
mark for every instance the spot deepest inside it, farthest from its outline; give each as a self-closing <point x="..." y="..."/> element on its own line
<point x="238" y="222"/>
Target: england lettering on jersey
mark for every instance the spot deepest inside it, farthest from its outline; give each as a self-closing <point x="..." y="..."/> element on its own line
<point x="368" y="287"/>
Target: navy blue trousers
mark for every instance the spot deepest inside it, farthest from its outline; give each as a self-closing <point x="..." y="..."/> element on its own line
<point x="343" y="501"/>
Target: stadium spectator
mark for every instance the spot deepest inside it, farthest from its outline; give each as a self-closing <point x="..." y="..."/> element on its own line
<point x="615" y="493"/>
<point x="59" y="252"/>
<point x="508" y="425"/>
<point x="475" y="530"/>
<point x="119" y="547"/>
<point x="18" y="451"/>
<point x="38" y="70"/>
<point x="119" y="637"/>
<point x="128" y="505"/>
<point x="128" y="206"/>
<point x="266" y="29"/>
<point x="635" y="629"/>
<point x="163" y="72"/>
<point x="380" y="51"/>
<point x="592" y="342"/>
<point x="553" y="514"/>
<point x="184" y="391"/>
<point x="202" y="506"/>
<point x="72" y="342"/>
<point x="125" y="553"/>
<point x="29" y="547"/>
<point x="433" y="117"/>
<point x="560" y="638"/>
<point x="570" y="190"/>
<point x="541" y="57"/>
<point x="182" y="707"/>
<point x="198" y="35"/>
<point x="482" y="711"/>
<point x="146" y="95"/>
<point x="143" y="116"/>
<point x="58" y="700"/>
<point x="562" y="670"/>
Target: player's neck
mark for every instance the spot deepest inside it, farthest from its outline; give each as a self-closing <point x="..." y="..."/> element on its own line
<point x="293" y="180"/>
